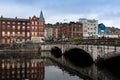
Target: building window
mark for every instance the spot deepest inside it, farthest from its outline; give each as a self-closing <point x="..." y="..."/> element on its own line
<point x="23" y="33"/>
<point x="74" y="29"/>
<point x="18" y="34"/>
<point x="89" y="33"/>
<point x="8" y="33"/>
<point x="95" y="28"/>
<point x="23" y="66"/>
<point x="8" y="66"/>
<point x="28" y="27"/>
<point x="3" y="22"/>
<point x="13" y="66"/>
<point x="13" y="27"/>
<point x="3" y="33"/>
<point x="28" y="34"/>
<point x="18" y="22"/>
<point x="13" y="33"/>
<point x="28" y="23"/>
<point x="23" y="27"/>
<point x="32" y="27"/>
<point x="13" y="22"/>
<point x="23" y="23"/>
<point x="35" y="22"/>
<point x="3" y="26"/>
<point x="18" y="66"/>
<point x="35" y="33"/>
<point x="8" y="22"/>
<point x="13" y="72"/>
<point x="35" y="27"/>
<point x="3" y="66"/>
<point x="36" y="65"/>
<point x="32" y="33"/>
<point x="18" y="27"/>
<point x="85" y="30"/>
<point x="8" y="27"/>
<point x="32" y="66"/>
<point x="32" y="22"/>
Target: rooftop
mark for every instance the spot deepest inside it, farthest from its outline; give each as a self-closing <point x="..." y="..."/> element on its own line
<point x="13" y="19"/>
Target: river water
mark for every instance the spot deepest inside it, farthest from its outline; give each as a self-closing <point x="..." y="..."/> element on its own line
<point x="46" y="67"/>
<point x="55" y="73"/>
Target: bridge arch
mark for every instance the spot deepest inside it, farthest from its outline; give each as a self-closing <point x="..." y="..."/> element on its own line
<point x="56" y="52"/>
<point x="78" y="57"/>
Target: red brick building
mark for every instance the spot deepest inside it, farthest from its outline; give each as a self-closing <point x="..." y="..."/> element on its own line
<point x="65" y="31"/>
<point x="20" y="30"/>
<point x="113" y="32"/>
<point x="70" y="30"/>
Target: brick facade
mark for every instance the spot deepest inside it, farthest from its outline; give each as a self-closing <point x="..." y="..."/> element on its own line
<point x="20" y="30"/>
<point x="70" y="30"/>
<point x="67" y="31"/>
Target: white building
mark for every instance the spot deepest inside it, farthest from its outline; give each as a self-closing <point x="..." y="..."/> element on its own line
<point x="90" y="27"/>
<point x="48" y="31"/>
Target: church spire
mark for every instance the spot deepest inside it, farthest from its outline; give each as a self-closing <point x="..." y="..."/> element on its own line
<point x="41" y="18"/>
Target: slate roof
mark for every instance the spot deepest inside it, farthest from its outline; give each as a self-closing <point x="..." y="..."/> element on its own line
<point x="41" y="18"/>
<point x="13" y="19"/>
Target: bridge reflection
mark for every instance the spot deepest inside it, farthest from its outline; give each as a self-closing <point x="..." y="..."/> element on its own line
<point x="90" y="73"/>
<point x="17" y="69"/>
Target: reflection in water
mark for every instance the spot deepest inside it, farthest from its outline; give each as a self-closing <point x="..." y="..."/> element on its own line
<point x="55" y="73"/>
<point x="21" y="69"/>
<point x="112" y="65"/>
<point x="88" y="73"/>
<point x="35" y="67"/>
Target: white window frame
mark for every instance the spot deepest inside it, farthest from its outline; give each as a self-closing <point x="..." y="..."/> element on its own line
<point x="8" y="33"/>
<point x="23" y="27"/>
<point x="18" y="27"/>
<point x="3" y="33"/>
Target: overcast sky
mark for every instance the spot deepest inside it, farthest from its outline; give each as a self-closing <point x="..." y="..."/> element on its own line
<point x="106" y="11"/>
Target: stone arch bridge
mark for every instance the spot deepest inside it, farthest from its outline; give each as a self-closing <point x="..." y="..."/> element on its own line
<point x="96" y="51"/>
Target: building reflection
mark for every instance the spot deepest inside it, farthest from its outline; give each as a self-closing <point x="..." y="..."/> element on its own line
<point x="22" y="69"/>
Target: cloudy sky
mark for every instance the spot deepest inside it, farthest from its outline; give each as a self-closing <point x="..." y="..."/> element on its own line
<point x="106" y="11"/>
